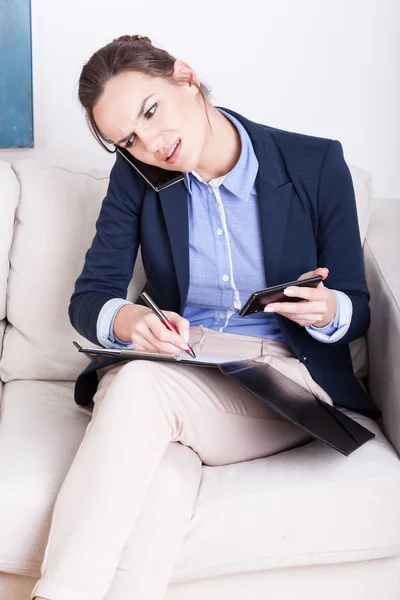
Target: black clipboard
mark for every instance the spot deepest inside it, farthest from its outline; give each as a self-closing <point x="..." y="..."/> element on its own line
<point x="287" y="398"/>
<point x="298" y="405"/>
<point x="98" y="354"/>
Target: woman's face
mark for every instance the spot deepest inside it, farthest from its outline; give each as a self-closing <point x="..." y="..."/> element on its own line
<point x="168" y="114"/>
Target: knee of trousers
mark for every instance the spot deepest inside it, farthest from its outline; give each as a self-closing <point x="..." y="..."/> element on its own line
<point x="135" y="391"/>
<point x="179" y="470"/>
<point x="136" y="374"/>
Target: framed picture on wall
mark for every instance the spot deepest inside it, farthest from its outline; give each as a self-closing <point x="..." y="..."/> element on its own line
<point x="16" y="114"/>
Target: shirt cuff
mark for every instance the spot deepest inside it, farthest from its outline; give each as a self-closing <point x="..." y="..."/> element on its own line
<point x="105" y="324"/>
<point x="337" y="328"/>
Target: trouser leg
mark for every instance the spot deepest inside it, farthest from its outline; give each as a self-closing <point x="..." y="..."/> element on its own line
<point x="103" y="493"/>
<point x="146" y="407"/>
<point x="153" y="546"/>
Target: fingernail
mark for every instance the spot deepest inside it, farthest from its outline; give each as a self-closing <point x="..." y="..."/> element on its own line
<point x="269" y="308"/>
<point x="288" y="292"/>
<point x="184" y="347"/>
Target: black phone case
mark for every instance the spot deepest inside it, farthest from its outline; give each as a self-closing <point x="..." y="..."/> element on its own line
<point x="158" y="178"/>
<point x="259" y="300"/>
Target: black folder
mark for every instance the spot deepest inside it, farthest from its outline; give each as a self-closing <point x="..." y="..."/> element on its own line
<point x="297" y="405"/>
<point x="287" y="398"/>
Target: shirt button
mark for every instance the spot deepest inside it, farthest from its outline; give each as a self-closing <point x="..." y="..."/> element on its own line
<point x="219" y="231"/>
<point x="210" y="190"/>
<point x="225" y="277"/>
<point x="222" y="315"/>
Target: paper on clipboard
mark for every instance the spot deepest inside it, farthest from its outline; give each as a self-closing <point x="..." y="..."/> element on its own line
<point x="206" y="360"/>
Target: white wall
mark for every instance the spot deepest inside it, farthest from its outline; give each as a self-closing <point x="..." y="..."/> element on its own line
<point x="323" y="68"/>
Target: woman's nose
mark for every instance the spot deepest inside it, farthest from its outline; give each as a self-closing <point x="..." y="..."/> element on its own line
<point x="151" y="143"/>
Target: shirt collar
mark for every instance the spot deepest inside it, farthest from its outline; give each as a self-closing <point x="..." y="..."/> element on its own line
<point x="240" y="180"/>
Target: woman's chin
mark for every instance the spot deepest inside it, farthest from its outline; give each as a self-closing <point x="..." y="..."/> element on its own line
<point x="186" y="166"/>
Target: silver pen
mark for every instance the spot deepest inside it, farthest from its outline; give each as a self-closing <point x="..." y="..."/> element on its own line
<point x="151" y="304"/>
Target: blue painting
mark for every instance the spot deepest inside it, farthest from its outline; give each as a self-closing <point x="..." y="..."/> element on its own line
<point x="16" y="119"/>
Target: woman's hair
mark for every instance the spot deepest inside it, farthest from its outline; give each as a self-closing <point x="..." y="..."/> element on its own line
<point x="126" y="53"/>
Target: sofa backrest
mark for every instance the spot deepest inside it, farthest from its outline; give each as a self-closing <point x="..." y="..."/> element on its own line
<point x="54" y="226"/>
<point x="9" y="194"/>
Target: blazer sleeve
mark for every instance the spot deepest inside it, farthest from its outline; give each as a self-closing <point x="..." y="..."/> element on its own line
<point x="339" y="244"/>
<point x="110" y="260"/>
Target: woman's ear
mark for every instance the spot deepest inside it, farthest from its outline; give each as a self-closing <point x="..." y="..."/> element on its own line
<point x="184" y="73"/>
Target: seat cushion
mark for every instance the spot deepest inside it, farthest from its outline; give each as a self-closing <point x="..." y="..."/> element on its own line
<point x="307" y="506"/>
<point x="40" y="431"/>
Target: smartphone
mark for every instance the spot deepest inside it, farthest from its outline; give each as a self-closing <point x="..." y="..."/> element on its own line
<point x="257" y="301"/>
<point x="158" y="178"/>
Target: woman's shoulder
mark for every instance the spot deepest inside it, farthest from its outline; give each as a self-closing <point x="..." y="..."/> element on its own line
<point x="305" y="154"/>
<point x="293" y="146"/>
<point x="294" y="140"/>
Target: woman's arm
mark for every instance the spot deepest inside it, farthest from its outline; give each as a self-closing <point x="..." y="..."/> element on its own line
<point x="345" y="294"/>
<point x="109" y="262"/>
<point x="339" y="244"/>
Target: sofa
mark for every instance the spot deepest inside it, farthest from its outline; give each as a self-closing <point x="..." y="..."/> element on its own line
<point x="308" y="523"/>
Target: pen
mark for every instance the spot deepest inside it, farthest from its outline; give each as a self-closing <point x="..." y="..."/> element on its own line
<point x="151" y="304"/>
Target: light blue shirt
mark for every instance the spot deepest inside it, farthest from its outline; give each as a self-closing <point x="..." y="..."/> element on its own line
<point x="226" y="259"/>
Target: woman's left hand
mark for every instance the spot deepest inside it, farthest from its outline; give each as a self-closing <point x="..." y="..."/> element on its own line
<point x="318" y="307"/>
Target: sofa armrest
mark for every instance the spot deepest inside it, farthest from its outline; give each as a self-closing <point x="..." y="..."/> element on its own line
<point x="382" y="264"/>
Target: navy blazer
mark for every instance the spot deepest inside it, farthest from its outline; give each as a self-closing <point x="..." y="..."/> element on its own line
<point x="308" y="219"/>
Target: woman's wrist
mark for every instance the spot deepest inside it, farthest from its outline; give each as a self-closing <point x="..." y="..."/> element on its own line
<point x="123" y="320"/>
<point x="330" y="311"/>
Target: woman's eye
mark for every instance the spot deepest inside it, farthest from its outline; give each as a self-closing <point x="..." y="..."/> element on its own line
<point x="148" y="116"/>
<point x="130" y="141"/>
<point x="151" y="111"/>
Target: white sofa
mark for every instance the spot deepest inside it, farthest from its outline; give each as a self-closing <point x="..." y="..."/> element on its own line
<point x="308" y="523"/>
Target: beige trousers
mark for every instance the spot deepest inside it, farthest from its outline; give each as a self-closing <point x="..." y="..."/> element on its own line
<point x="125" y="506"/>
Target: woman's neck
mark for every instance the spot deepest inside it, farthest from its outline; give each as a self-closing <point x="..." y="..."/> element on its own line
<point x="222" y="148"/>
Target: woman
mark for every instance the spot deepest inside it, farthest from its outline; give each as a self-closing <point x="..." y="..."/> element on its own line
<point x="257" y="207"/>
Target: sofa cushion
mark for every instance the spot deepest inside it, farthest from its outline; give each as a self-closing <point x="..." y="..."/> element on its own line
<point x="9" y="193"/>
<point x="310" y="505"/>
<point x="3" y="325"/>
<point x="40" y="432"/>
<point x="307" y="506"/>
<point x="56" y="219"/>
<point x="55" y="225"/>
<point x="363" y="192"/>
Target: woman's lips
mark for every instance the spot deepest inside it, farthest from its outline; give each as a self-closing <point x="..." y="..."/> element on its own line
<point x="175" y="154"/>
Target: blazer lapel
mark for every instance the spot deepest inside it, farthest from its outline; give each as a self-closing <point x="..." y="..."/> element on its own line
<point x="175" y="209"/>
<point x="274" y="193"/>
<point x="274" y="210"/>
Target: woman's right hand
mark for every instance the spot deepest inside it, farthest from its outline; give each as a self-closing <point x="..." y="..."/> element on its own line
<point x="139" y="325"/>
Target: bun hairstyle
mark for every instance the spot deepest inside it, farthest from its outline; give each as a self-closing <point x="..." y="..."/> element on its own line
<point x="123" y="54"/>
<point x="133" y="38"/>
